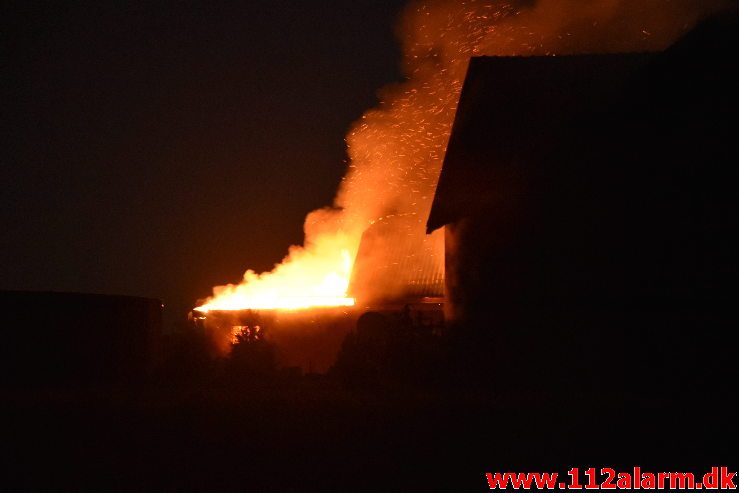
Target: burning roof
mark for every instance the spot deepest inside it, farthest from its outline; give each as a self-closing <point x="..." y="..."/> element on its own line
<point x="397" y="261"/>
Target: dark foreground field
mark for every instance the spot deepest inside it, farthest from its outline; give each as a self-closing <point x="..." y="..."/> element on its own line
<point x="311" y="435"/>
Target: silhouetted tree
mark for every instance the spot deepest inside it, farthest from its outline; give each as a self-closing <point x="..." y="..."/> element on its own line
<point x="252" y="355"/>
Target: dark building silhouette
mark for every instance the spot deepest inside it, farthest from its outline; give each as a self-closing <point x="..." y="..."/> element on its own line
<point x="589" y="204"/>
<point x="71" y="338"/>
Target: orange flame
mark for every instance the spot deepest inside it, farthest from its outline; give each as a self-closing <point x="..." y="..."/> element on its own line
<point x="317" y="277"/>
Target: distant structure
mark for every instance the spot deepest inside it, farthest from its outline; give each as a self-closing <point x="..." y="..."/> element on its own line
<point x="589" y="204"/>
<point x="55" y="339"/>
<point x="397" y="263"/>
<point x="398" y="283"/>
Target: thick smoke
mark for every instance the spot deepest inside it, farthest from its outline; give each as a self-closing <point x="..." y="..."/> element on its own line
<point x="397" y="148"/>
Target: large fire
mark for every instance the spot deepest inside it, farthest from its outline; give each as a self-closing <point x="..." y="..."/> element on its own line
<point x="396" y="150"/>
<point x="320" y="281"/>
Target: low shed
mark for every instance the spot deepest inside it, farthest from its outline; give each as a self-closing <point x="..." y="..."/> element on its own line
<point x="71" y="338"/>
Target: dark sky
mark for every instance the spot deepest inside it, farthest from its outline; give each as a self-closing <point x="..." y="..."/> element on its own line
<point x="158" y="150"/>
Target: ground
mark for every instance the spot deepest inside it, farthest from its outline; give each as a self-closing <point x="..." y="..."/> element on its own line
<point x="312" y="435"/>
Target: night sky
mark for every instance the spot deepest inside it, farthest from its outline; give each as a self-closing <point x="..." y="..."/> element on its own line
<point x="158" y="150"/>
